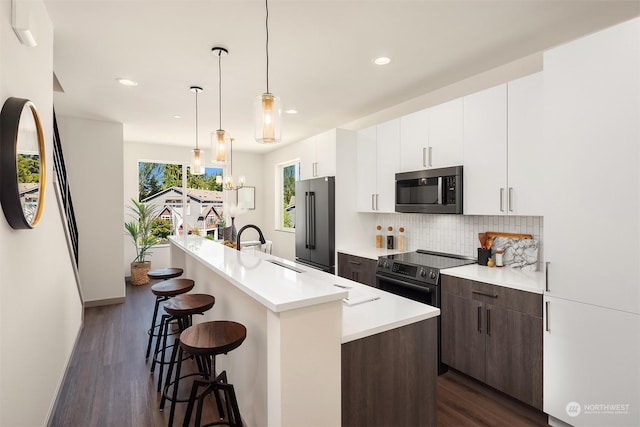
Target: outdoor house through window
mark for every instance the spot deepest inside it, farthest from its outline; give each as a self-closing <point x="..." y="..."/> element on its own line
<point x="198" y="210"/>
<point x="286" y="177"/>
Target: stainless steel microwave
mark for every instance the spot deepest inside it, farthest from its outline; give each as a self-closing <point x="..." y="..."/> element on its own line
<point x="435" y="191"/>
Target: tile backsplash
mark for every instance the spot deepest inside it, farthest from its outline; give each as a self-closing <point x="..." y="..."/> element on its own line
<point x="457" y="234"/>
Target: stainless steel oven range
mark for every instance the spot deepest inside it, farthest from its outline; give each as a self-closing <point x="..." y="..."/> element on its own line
<point x="416" y="275"/>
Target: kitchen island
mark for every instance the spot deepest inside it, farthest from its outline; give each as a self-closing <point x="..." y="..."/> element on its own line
<point x="310" y="358"/>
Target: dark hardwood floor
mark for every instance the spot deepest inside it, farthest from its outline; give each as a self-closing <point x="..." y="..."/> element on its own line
<point x="109" y="384"/>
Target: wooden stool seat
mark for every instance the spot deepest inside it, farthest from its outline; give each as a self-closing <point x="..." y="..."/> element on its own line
<point x="212" y="338"/>
<point x="165" y="273"/>
<point x="188" y="304"/>
<point x="172" y="287"/>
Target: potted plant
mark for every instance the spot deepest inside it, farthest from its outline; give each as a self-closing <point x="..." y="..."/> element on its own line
<point x="140" y="231"/>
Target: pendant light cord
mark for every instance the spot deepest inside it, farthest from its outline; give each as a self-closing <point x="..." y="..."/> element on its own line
<point x="196" y="91"/>
<point x="266" y="3"/>
<point x="220" y="88"/>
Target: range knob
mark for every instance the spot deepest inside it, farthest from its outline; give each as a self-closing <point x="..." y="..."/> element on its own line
<point x="380" y="263"/>
<point x="422" y="272"/>
<point x="386" y="264"/>
<point x="432" y="275"/>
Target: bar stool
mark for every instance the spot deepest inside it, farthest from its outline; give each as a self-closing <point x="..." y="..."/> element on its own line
<point x="205" y="341"/>
<point x="180" y="310"/>
<point x="163" y="291"/>
<point x="165" y="273"/>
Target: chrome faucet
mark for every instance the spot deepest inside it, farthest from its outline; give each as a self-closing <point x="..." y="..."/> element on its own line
<point x="262" y="240"/>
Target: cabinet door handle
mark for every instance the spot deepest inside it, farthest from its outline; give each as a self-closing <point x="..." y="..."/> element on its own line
<point x="484" y="294"/>
<point x="479" y="318"/>
<point x="373" y="206"/>
<point x="546" y="275"/>
<point x="424" y="157"/>
<point x="355" y="262"/>
<point x="546" y="325"/>
<point x="377" y="208"/>
<point x="501" y="199"/>
<point x="488" y="322"/>
<point x="430" y="156"/>
<point x="510" y="199"/>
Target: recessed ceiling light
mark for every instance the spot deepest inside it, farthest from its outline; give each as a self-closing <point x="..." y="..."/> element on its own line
<point x="291" y="111"/>
<point x="177" y="116"/>
<point x="381" y="60"/>
<point x="127" y="82"/>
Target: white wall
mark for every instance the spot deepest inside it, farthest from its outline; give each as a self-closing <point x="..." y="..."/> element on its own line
<point x="284" y="242"/>
<point x="248" y="164"/>
<point x="93" y="154"/>
<point x="40" y="307"/>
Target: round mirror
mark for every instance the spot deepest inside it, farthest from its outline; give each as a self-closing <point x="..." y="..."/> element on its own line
<point x="22" y="163"/>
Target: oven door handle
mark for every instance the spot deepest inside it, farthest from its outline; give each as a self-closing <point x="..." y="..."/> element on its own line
<point x="405" y="284"/>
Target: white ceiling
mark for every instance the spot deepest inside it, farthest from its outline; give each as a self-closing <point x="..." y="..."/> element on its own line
<point x="321" y="55"/>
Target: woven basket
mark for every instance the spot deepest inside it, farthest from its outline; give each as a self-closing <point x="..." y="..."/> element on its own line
<point x="139" y="272"/>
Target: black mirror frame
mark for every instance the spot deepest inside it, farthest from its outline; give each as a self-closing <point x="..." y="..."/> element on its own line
<point x="9" y="191"/>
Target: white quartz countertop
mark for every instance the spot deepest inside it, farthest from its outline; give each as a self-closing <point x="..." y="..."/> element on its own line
<point x="277" y="288"/>
<point x="530" y="281"/>
<point x="372" y="311"/>
<point x="385" y="312"/>
<point x="369" y="251"/>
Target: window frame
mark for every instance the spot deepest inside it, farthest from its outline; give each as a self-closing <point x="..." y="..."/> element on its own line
<point x="279" y="193"/>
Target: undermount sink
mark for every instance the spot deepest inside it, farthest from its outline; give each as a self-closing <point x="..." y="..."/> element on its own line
<point x="283" y="265"/>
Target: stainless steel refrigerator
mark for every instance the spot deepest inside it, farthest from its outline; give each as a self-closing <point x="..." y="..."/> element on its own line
<point x="315" y="223"/>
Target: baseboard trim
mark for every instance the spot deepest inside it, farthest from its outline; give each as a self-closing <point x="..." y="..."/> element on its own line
<point x="101" y="302"/>
<point x="64" y="375"/>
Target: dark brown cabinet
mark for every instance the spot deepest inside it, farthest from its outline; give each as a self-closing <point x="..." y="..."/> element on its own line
<point x="494" y="334"/>
<point x="358" y="269"/>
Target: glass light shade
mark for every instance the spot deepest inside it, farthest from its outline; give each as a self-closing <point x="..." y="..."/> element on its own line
<point x="197" y="162"/>
<point x="268" y="119"/>
<point x="219" y="141"/>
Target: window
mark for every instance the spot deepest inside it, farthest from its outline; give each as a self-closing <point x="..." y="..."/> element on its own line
<point x="160" y="184"/>
<point x="286" y="176"/>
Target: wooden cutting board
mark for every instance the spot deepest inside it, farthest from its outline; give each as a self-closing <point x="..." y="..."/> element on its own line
<point x="493" y="234"/>
<point x="510" y="235"/>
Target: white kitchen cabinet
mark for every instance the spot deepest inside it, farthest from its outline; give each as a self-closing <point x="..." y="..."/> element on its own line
<point x="366" y="183"/>
<point x="446" y="134"/>
<point x="592" y="227"/>
<point x="592" y="141"/>
<point x="432" y="138"/>
<point x="378" y="161"/>
<point x="503" y="149"/>
<point x="525" y="192"/>
<point x="485" y="152"/>
<point x="318" y="155"/>
<point x="591" y="358"/>
<point x="414" y="141"/>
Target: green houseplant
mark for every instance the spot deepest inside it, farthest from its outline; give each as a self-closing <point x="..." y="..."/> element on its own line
<point x="140" y="229"/>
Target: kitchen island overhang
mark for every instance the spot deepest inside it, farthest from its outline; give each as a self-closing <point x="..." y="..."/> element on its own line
<point x="289" y="370"/>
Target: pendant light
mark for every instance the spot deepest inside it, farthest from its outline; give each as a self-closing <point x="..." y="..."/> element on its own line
<point x="227" y="181"/>
<point x="268" y="107"/>
<point x="219" y="138"/>
<point x="197" y="160"/>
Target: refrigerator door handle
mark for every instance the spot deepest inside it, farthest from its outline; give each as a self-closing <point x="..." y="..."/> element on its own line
<point x="306" y="220"/>
<point x="312" y="220"/>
